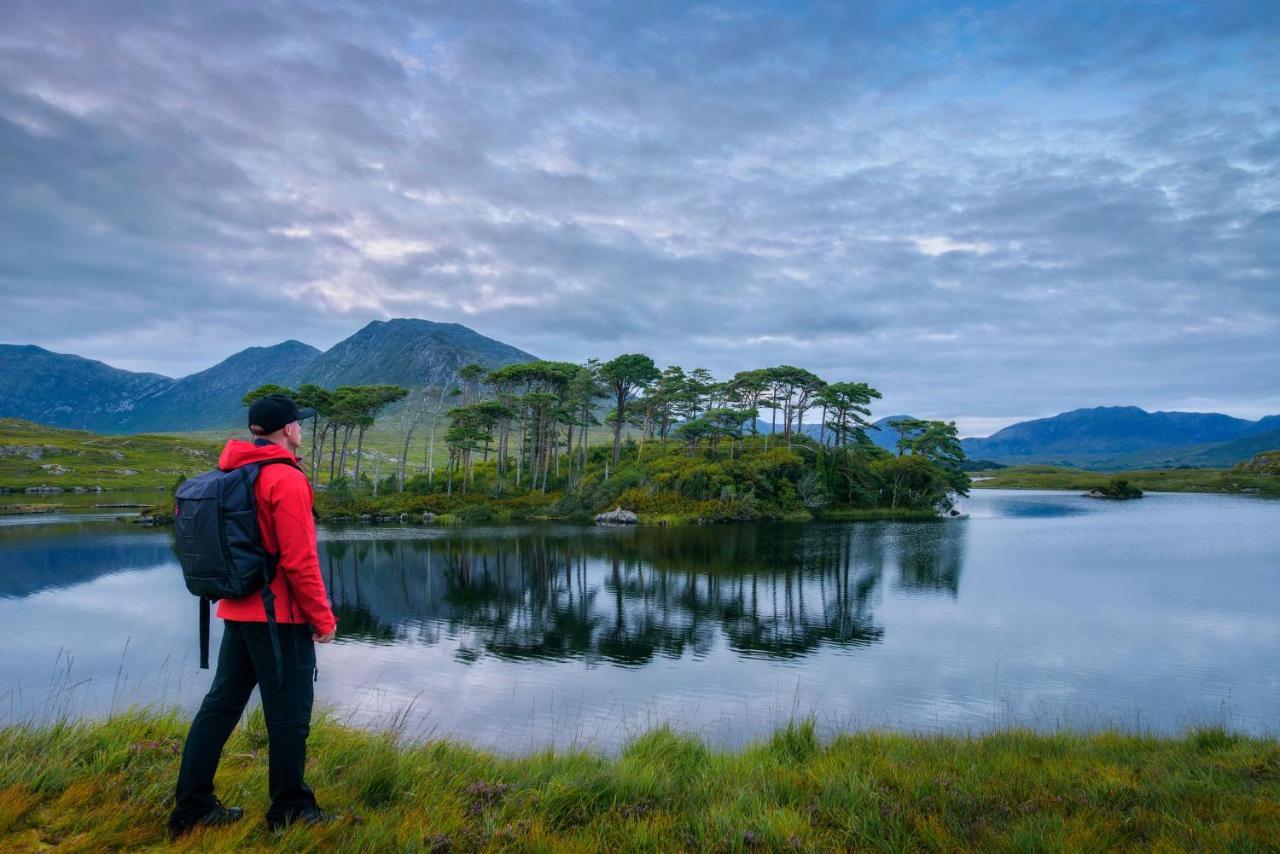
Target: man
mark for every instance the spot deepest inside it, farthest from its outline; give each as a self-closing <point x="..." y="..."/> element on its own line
<point x="287" y="528"/>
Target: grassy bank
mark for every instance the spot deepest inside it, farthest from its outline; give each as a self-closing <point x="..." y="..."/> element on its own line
<point x="1165" y="480"/>
<point x="106" y="785"/>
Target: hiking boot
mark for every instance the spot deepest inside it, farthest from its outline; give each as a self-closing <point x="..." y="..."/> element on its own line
<point x="312" y="816"/>
<point x="215" y="817"/>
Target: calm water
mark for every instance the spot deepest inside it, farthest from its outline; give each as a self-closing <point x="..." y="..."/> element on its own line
<point x="1042" y="609"/>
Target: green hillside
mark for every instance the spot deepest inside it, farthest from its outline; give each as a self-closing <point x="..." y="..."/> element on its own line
<point x="34" y="455"/>
<point x="1211" y="455"/>
<point x="1237" y="480"/>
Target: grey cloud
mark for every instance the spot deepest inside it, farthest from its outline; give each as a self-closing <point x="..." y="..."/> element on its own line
<point x="987" y="214"/>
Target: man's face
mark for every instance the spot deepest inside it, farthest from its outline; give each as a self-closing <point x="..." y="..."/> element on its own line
<point x="293" y="435"/>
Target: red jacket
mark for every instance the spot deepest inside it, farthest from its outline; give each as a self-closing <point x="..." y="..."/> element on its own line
<point x="288" y="528"/>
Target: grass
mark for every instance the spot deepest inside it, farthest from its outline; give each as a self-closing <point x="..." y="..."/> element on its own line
<point x="1164" y="480"/>
<point x="34" y="455"/>
<point x="107" y="785"/>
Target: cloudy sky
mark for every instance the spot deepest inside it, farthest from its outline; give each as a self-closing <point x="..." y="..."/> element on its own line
<point x="989" y="211"/>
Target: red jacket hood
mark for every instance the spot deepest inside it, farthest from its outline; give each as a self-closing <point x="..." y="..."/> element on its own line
<point x="238" y="452"/>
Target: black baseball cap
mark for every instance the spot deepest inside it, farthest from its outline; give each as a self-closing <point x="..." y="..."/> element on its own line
<point x="273" y="411"/>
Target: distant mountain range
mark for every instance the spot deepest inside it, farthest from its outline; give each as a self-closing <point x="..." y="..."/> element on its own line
<point x="71" y="391"/>
<point x="1126" y="437"/>
<point x="1111" y="438"/>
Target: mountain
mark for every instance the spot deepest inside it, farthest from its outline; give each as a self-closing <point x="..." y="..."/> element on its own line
<point x="410" y="353"/>
<point x="212" y="396"/>
<point x="1123" y="437"/>
<point x="70" y="391"/>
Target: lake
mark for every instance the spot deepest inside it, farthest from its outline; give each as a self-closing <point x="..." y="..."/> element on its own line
<point x="1041" y="609"/>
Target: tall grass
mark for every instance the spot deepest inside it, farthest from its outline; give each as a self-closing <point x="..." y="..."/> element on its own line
<point x="106" y="785"/>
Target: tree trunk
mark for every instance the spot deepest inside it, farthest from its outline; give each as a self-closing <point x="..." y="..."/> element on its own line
<point x="404" y="457"/>
<point x="342" y="458"/>
<point x="644" y="431"/>
<point x="617" y="426"/>
<point x="520" y="452"/>
<point x="546" y="465"/>
<point x="568" y="456"/>
<point x="319" y="458"/>
<point x="359" y="451"/>
<point x="311" y="451"/>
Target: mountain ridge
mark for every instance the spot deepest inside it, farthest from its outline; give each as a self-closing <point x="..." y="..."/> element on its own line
<point x="407" y="351"/>
<point x="66" y="390"/>
<point x="1119" y="437"/>
<point x="71" y="391"/>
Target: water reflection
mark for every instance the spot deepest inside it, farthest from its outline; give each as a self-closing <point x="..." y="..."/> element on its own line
<point x="46" y="556"/>
<point x="1041" y="608"/>
<point x="626" y="597"/>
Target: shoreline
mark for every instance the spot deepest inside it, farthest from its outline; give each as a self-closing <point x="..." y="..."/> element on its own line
<point x="1208" y="788"/>
<point x="494" y="515"/>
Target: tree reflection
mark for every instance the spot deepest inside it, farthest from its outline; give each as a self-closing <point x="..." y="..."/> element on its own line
<point x="627" y="597"/>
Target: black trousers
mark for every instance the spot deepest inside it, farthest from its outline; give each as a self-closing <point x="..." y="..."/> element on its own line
<point x="245" y="659"/>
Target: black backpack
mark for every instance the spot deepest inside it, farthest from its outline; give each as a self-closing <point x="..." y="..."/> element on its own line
<point x="217" y="541"/>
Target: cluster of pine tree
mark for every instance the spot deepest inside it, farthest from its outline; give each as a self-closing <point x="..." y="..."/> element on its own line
<point x="672" y="435"/>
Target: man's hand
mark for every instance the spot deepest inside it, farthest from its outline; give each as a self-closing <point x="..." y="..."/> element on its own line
<point x="326" y="637"/>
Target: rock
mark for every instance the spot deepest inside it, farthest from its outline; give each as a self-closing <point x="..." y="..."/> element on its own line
<point x="618" y="516"/>
<point x="404" y="517"/>
<point x="1098" y="493"/>
<point x="1266" y="464"/>
<point x="366" y="517"/>
<point x="31" y="452"/>
<point x="126" y="471"/>
<point x="44" y="489"/>
<point x="428" y="517"/>
<point x="55" y="468"/>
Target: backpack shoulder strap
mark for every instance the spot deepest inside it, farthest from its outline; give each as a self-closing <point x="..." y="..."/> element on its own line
<point x="204" y="633"/>
<point x="277" y="461"/>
